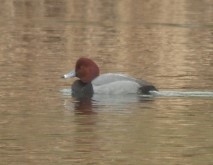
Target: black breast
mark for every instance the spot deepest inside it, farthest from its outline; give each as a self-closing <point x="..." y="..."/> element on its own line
<point x="82" y="90"/>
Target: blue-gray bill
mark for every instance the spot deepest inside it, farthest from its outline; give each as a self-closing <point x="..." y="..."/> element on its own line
<point x="69" y="75"/>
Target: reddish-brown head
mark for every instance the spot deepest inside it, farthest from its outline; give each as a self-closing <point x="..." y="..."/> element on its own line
<point x="86" y="69"/>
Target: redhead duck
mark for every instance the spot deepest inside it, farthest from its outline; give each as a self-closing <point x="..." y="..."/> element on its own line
<point x="91" y="82"/>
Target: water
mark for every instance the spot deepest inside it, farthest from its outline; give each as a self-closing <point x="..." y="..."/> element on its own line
<point x="167" y="43"/>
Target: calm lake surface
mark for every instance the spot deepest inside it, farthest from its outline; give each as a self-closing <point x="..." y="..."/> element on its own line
<point x="169" y="43"/>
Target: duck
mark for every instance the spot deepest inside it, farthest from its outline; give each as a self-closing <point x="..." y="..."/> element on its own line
<point x="91" y="82"/>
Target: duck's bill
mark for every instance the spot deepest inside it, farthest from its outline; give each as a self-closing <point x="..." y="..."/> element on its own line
<point x="69" y="75"/>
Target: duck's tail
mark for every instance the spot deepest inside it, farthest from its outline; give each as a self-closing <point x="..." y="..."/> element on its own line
<point x="145" y="89"/>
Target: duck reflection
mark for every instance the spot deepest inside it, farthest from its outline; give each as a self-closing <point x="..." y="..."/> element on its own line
<point x="83" y="106"/>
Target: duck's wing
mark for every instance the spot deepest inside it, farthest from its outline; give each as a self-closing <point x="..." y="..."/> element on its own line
<point x="110" y="78"/>
<point x="113" y="77"/>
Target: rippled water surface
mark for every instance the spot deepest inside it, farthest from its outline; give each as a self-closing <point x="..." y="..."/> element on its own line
<point x="169" y="43"/>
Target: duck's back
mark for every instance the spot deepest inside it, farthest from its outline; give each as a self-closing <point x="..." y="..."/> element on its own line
<point x="111" y="83"/>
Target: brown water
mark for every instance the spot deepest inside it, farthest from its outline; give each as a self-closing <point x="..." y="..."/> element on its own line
<point x="169" y="43"/>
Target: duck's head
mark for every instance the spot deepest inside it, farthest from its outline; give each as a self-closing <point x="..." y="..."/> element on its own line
<point x="85" y="69"/>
